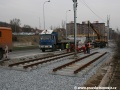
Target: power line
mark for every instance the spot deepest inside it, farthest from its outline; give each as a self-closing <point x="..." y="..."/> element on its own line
<point x="91" y="9"/>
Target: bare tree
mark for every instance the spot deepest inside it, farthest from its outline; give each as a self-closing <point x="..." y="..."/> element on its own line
<point x="27" y="26"/>
<point x="15" y="24"/>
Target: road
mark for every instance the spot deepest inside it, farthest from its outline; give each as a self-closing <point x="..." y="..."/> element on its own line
<point x="23" y="53"/>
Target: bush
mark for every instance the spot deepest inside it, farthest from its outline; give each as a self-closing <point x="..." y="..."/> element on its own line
<point x="117" y="46"/>
<point x="14" y="38"/>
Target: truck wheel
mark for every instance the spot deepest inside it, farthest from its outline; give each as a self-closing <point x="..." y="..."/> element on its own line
<point x="62" y="46"/>
<point x="1" y="54"/>
<point x="43" y="50"/>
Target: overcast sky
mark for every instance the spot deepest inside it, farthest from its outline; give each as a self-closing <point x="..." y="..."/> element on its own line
<point x="29" y="11"/>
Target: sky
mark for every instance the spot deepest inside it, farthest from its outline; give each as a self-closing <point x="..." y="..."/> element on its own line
<point x="30" y="12"/>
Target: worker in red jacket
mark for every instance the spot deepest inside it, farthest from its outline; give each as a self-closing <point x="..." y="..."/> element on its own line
<point x="72" y="47"/>
<point x="84" y="49"/>
<point x="77" y="48"/>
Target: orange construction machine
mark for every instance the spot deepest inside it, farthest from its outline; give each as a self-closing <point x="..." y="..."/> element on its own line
<point x="5" y="40"/>
<point x="100" y="41"/>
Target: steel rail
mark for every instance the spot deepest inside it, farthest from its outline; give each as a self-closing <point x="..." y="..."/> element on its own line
<point x="67" y="64"/>
<point x="53" y="59"/>
<point x="87" y="64"/>
<point x="39" y="59"/>
<point x="32" y="60"/>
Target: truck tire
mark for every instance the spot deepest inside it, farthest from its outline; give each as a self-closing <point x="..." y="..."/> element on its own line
<point x="43" y="50"/>
<point x="1" y="54"/>
<point x="62" y="46"/>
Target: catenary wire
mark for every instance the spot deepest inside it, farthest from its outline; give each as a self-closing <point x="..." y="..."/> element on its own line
<point x="91" y="10"/>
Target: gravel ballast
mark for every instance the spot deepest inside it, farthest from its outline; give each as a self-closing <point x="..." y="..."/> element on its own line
<point x="39" y="79"/>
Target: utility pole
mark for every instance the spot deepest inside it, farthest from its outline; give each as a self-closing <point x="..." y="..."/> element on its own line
<point x="75" y="27"/>
<point x="108" y="22"/>
<point x="88" y="31"/>
<point x="108" y="33"/>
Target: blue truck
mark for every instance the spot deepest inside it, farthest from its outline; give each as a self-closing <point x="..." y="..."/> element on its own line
<point x="50" y="39"/>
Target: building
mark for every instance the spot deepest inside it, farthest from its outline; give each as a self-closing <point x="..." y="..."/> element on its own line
<point x="83" y="29"/>
<point x="111" y="33"/>
<point x="70" y="28"/>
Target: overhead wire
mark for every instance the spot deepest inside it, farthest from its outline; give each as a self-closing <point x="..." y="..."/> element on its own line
<point x="91" y="10"/>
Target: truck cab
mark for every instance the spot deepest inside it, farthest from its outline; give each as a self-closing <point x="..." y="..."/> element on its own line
<point x="48" y="40"/>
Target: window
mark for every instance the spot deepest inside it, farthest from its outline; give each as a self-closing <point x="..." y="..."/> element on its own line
<point x="45" y="36"/>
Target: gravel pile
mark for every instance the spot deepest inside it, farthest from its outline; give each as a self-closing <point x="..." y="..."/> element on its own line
<point x="39" y="79"/>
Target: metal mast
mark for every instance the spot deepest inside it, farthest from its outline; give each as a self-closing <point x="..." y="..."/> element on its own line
<point x="75" y="27"/>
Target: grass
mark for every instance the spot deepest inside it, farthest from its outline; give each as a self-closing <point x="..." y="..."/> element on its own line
<point x="34" y="39"/>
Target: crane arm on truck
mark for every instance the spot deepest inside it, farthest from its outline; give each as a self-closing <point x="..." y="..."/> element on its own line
<point x="96" y="31"/>
<point x="99" y="42"/>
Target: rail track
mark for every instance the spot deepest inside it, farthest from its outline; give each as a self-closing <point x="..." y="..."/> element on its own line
<point x="39" y="61"/>
<point x="82" y="64"/>
<point x="34" y="63"/>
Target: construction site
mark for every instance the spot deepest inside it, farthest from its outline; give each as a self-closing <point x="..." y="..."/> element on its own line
<point x="79" y="56"/>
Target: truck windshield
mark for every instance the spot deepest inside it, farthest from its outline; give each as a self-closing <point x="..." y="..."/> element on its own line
<point x="45" y="37"/>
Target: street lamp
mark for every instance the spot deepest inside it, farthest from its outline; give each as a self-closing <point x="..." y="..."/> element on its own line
<point x="44" y="13"/>
<point x="66" y="23"/>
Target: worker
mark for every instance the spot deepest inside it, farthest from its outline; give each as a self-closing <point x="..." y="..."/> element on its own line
<point x="77" y="48"/>
<point x="84" y="49"/>
<point x="67" y="47"/>
<point x="71" y="47"/>
<point x="88" y="44"/>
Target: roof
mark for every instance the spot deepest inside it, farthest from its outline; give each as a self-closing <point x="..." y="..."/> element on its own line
<point x="47" y="32"/>
<point x="6" y="28"/>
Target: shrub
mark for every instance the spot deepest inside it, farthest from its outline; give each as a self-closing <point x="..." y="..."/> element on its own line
<point x="117" y="46"/>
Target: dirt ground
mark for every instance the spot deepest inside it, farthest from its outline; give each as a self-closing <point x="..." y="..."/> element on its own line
<point x="114" y="76"/>
<point x="96" y="79"/>
<point x="115" y="81"/>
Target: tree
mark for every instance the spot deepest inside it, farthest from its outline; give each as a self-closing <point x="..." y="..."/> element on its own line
<point x="4" y="24"/>
<point x="15" y="24"/>
<point x="27" y="26"/>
